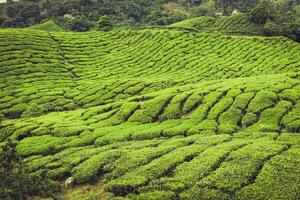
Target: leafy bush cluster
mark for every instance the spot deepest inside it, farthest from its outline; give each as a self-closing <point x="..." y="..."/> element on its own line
<point x="15" y="180"/>
<point x="83" y="15"/>
<point x="269" y="17"/>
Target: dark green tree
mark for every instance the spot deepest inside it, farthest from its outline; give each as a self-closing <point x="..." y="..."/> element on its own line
<point x="104" y="23"/>
<point x="80" y="24"/>
<point x="262" y="12"/>
<point x="227" y="6"/>
<point x="292" y="30"/>
<point x="271" y="29"/>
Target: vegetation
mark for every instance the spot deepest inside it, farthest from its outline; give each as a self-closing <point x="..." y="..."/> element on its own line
<point x="17" y="182"/>
<point x="24" y="13"/>
<point x="105" y="23"/>
<point x="205" y="108"/>
<point x="257" y="17"/>
<point x="153" y="113"/>
<point x="47" y="26"/>
<point x="266" y="17"/>
<point x="237" y="24"/>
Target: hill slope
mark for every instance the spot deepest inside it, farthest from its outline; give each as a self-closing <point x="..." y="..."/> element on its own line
<point x="73" y="70"/>
<point x="156" y="114"/>
<point x="236" y="24"/>
<point x="49" y="25"/>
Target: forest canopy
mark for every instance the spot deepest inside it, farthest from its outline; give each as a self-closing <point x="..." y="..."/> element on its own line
<point x="280" y="17"/>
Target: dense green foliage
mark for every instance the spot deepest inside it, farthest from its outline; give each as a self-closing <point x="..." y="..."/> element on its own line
<point x="105" y="24"/>
<point x="61" y="71"/>
<point x="29" y="12"/>
<point x="17" y="182"/>
<point x="79" y="15"/>
<point x="237" y="24"/>
<point x="47" y="26"/>
<point x="245" y="24"/>
<point x="164" y="112"/>
<point x="269" y="18"/>
<point x="157" y="113"/>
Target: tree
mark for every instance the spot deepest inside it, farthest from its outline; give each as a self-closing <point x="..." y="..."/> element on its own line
<point x="80" y="24"/>
<point x="30" y="10"/>
<point x="104" y="23"/>
<point x="262" y="12"/>
<point x="12" y="11"/>
<point x="271" y="29"/>
<point x="205" y="9"/>
<point x="54" y="8"/>
<point x="292" y="30"/>
<point x="228" y="6"/>
<point x="297" y="13"/>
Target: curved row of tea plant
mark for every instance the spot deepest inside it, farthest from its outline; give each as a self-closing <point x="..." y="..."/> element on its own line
<point x="44" y="72"/>
<point x="155" y="113"/>
<point x="236" y="24"/>
<point x="179" y="142"/>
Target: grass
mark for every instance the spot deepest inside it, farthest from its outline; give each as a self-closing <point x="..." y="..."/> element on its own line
<point x="155" y="113"/>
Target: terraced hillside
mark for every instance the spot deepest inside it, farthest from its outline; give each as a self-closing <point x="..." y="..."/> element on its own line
<point x="236" y="24"/>
<point x="155" y="114"/>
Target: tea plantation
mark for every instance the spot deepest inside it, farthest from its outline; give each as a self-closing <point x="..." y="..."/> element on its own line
<point x="235" y="24"/>
<point x="155" y="113"/>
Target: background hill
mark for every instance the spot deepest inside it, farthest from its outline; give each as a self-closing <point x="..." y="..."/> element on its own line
<point x="236" y="24"/>
<point x="262" y="17"/>
<point x="47" y="26"/>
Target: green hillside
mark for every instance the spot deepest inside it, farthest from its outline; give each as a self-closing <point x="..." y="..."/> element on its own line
<point x="155" y="113"/>
<point x="73" y="70"/>
<point x="236" y="24"/>
<point x="49" y="25"/>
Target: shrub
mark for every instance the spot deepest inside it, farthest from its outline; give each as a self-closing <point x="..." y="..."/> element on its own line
<point x="242" y="100"/>
<point x="271" y="29"/>
<point x="192" y="102"/>
<point x="173" y="110"/>
<point x="88" y="170"/>
<point x="249" y="119"/>
<point x="41" y="145"/>
<point x="240" y="166"/>
<point x="270" y="118"/>
<point x="15" y="180"/>
<point x="290" y="95"/>
<point x="227" y="128"/>
<point x="262" y="12"/>
<point x="104" y="23"/>
<point x="131" y="181"/>
<point x="154" y="195"/>
<point x="291" y="121"/>
<point x="263" y="99"/>
<point x="6" y="132"/>
<point x="278" y="175"/>
<point x="15" y="111"/>
<point x="219" y="108"/>
<point x="190" y="172"/>
<point x="33" y="110"/>
<point x="80" y="24"/>
<point x="150" y="110"/>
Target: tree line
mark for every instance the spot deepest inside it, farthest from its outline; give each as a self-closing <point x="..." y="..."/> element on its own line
<point x="278" y="17"/>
